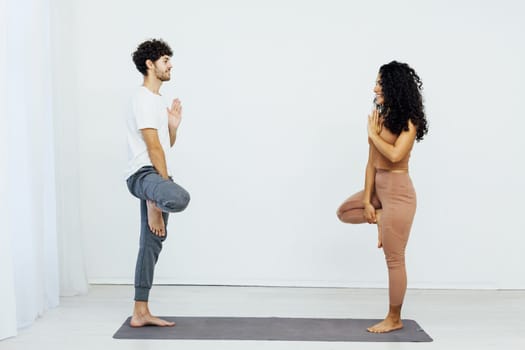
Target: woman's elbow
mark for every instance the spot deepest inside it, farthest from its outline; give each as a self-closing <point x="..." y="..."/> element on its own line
<point x="396" y="157"/>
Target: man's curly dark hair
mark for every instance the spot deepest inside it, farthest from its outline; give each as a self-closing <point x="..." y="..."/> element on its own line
<point x="152" y="49"/>
<point x="402" y="99"/>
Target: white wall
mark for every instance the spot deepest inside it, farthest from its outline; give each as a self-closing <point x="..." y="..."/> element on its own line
<point x="275" y="97"/>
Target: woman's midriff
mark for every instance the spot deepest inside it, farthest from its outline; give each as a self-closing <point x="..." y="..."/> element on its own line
<point x="400" y="171"/>
<point x="382" y="162"/>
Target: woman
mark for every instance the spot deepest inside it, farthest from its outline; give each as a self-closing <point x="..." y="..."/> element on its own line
<point x="389" y="199"/>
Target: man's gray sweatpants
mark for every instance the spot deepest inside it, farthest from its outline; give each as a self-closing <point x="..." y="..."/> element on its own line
<point x="147" y="184"/>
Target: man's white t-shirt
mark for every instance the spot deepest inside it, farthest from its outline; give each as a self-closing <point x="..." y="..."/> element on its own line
<point x="148" y="111"/>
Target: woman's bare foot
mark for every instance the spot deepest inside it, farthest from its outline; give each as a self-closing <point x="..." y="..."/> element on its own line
<point x="391" y="322"/>
<point x="143" y="317"/>
<point x="149" y="320"/>
<point x="155" y="220"/>
<point x="379" y="233"/>
<point x="387" y="325"/>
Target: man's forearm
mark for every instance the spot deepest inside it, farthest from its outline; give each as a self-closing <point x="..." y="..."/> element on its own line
<point x="173" y="135"/>
<point x="158" y="159"/>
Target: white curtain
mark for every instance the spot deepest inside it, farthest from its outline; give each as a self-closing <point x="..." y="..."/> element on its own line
<point x="7" y="286"/>
<point x="29" y="246"/>
<point x="73" y="277"/>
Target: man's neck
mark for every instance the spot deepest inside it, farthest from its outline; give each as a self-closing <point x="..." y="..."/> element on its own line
<point x="152" y="84"/>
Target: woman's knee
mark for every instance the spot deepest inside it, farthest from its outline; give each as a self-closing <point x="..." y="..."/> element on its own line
<point x="395" y="260"/>
<point x="354" y="216"/>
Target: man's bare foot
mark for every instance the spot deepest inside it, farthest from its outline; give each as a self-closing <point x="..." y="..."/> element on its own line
<point x="385" y="326"/>
<point x="143" y="317"/>
<point x="155" y="220"/>
<point x="379" y="233"/>
<point x="149" y="320"/>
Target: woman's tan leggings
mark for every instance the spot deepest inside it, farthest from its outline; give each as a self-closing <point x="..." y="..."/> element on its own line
<point x="395" y="195"/>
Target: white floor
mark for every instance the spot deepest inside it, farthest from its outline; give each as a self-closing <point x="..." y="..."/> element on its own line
<point x="454" y="319"/>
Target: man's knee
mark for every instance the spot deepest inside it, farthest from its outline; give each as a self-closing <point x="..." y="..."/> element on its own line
<point x="177" y="202"/>
<point x="184" y="200"/>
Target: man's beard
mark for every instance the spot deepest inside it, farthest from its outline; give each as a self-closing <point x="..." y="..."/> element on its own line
<point x="163" y="77"/>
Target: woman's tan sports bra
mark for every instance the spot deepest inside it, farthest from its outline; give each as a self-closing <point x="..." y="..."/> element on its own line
<point x="382" y="162"/>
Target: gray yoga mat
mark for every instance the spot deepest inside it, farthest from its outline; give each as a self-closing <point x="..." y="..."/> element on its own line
<point x="273" y="328"/>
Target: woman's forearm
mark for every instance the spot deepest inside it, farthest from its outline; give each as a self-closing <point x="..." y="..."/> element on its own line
<point x="388" y="150"/>
<point x="369" y="183"/>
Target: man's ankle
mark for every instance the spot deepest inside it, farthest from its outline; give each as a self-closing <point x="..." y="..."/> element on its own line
<point x="141" y="308"/>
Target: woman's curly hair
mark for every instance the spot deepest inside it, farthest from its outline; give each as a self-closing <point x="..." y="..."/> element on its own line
<point x="402" y="99"/>
<point x="150" y="50"/>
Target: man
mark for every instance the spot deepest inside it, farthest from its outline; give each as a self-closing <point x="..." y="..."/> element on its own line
<point x="152" y="131"/>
